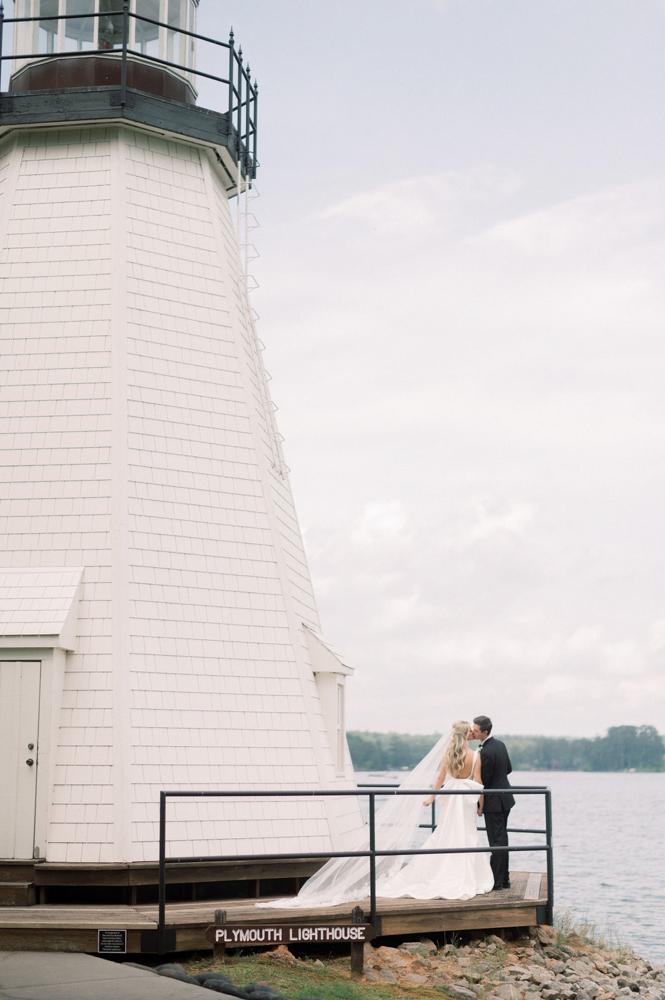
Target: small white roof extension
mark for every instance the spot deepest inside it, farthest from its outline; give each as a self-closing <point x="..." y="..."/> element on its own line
<point x="323" y="657"/>
<point x="39" y="607"/>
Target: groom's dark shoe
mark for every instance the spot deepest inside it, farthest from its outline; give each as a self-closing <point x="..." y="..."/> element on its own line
<point x="504" y="885"/>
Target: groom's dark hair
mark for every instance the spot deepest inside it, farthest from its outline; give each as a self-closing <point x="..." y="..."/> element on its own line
<point x="484" y="723"/>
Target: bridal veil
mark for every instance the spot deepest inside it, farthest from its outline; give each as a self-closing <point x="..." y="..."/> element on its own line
<point x="344" y="880"/>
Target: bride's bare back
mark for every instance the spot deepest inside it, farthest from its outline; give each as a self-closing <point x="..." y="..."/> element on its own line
<point x="468" y="767"/>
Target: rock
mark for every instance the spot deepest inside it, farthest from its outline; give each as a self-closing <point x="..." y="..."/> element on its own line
<point x="387" y="976"/>
<point x="558" y="968"/>
<point x="386" y="952"/>
<point x="137" y="965"/>
<point x="218" y="987"/>
<point x="495" y="939"/>
<point x="422" y="963"/>
<point x="508" y="992"/>
<point x="371" y="976"/>
<point x="429" y="945"/>
<point x="544" y="934"/>
<point x="591" y="989"/>
<point x="461" y="992"/>
<point x="529" y="995"/>
<point x="413" y="977"/>
<point x="414" y="948"/>
<point x="281" y="951"/>
<point x="228" y="989"/>
<point x="182" y="977"/>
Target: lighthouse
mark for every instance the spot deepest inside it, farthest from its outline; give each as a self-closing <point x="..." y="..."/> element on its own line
<point x="158" y="627"/>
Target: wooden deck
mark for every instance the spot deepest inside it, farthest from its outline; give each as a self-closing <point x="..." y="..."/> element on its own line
<point x="74" y="928"/>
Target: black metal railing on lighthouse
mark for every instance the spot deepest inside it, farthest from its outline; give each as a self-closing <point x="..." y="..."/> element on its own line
<point x="371" y="853"/>
<point x="241" y="111"/>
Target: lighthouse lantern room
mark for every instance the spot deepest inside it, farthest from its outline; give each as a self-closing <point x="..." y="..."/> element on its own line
<point x="158" y="628"/>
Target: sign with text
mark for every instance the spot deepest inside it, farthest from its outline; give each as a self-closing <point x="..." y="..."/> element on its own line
<point x="112" y="942"/>
<point x="244" y="935"/>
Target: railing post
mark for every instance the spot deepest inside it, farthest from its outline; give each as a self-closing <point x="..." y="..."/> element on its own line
<point x="218" y="949"/>
<point x="372" y="859"/>
<point x="434" y="814"/>
<point x="550" y="857"/>
<point x="239" y="111"/>
<point x="357" y="947"/>
<point x="248" y="92"/>
<point x="125" y="43"/>
<point x="2" y="25"/>
<point x="161" y="927"/>
<point x="256" y="126"/>
<point x="231" y="74"/>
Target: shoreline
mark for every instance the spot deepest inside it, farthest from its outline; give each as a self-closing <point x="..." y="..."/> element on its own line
<point x="539" y="964"/>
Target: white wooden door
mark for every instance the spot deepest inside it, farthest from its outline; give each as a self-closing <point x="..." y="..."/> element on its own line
<point x="19" y="721"/>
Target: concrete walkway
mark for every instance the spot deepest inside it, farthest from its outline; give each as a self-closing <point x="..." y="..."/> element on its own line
<point x="55" y="975"/>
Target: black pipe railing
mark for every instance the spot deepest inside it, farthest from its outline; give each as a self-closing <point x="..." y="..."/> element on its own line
<point x="243" y="94"/>
<point x="432" y="823"/>
<point x="372" y="853"/>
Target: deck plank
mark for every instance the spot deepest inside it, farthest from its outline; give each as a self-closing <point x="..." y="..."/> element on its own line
<point x="73" y="928"/>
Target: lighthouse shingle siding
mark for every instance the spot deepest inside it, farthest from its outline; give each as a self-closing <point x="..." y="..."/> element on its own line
<point x="138" y="442"/>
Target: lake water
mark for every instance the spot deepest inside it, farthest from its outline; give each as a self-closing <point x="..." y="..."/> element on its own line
<point x="609" y="848"/>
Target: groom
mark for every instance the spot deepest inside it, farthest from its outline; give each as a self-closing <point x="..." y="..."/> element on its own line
<point x="495" y="767"/>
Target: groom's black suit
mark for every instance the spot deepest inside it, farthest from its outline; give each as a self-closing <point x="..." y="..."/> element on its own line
<point x="495" y="767"/>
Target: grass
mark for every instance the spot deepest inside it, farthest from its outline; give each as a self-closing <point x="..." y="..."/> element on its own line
<point x="309" y="978"/>
<point x="328" y="977"/>
<point x="575" y="931"/>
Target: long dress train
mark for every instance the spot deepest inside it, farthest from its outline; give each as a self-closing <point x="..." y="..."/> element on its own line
<point x="446" y="876"/>
<point x="345" y="880"/>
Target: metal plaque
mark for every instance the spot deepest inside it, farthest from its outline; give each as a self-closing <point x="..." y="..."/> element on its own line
<point x="112" y="942"/>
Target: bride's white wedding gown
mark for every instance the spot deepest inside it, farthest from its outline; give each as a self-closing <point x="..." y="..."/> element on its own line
<point x="425" y="876"/>
<point x="446" y="876"/>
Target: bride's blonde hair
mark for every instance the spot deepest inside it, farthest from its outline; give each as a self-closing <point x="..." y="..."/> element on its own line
<point x="455" y="755"/>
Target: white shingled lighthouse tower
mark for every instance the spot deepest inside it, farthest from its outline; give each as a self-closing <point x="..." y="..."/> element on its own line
<point x="158" y="628"/>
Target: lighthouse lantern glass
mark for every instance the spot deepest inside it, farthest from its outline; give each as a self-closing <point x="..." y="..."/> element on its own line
<point x="146" y="35"/>
<point x="79" y="31"/>
<point x="174" y="40"/>
<point x="110" y="25"/>
<point x="47" y="36"/>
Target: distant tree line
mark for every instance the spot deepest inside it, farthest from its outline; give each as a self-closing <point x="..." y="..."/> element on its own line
<point x="623" y="748"/>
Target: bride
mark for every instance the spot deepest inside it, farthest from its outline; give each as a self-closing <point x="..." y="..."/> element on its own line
<point x="425" y="876"/>
<point x="449" y="876"/>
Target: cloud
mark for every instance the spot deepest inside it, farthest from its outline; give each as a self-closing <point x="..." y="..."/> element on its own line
<point x="604" y="221"/>
<point x="471" y="391"/>
<point x="380" y="521"/>
<point x="512" y="519"/>
<point x="415" y="204"/>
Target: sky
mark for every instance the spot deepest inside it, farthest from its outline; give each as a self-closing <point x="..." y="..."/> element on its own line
<point x="460" y="290"/>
